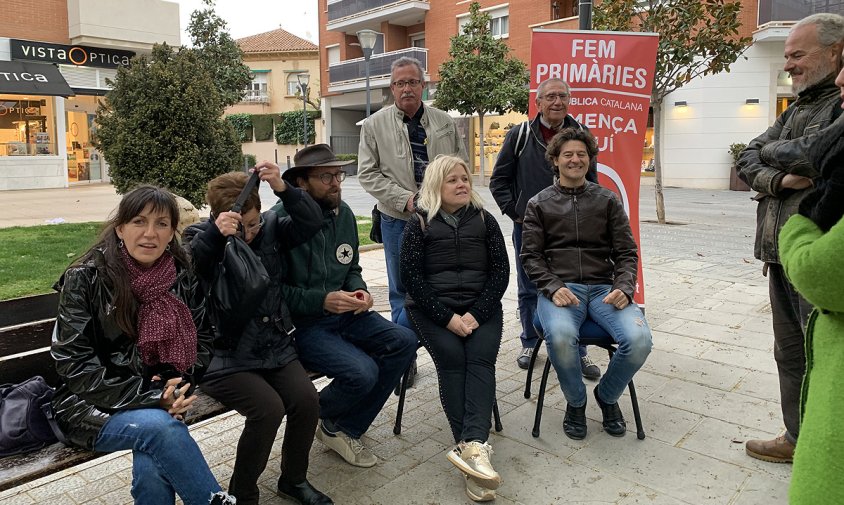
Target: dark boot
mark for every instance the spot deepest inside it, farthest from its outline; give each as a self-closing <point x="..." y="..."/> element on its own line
<point x="613" y="422"/>
<point x="574" y="423"/>
<point x="303" y="493"/>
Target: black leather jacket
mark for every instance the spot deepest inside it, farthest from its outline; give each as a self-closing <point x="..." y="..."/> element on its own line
<point x="775" y="153"/>
<point x="579" y="235"/>
<point x="99" y="366"/>
<point x="263" y="343"/>
<point x="517" y="178"/>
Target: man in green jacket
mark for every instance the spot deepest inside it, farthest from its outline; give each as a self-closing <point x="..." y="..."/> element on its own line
<point x="337" y="334"/>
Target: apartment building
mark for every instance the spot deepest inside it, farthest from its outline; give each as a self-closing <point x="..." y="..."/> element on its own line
<point x="710" y="113"/>
<point x="279" y="61"/>
<point x="55" y="57"/>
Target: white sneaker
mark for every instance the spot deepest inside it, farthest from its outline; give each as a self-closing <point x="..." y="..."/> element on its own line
<point x="472" y="458"/>
<point x="477" y="492"/>
<point x="350" y="449"/>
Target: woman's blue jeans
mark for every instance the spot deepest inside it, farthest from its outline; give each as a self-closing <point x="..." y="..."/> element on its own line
<point x="165" y="458"/>
<point x="627" y="327"/>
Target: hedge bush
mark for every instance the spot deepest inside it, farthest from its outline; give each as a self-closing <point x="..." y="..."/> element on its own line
<point x="288" y="129"/>
<point x="242" y="124"/>
<point x="263" y="126"/>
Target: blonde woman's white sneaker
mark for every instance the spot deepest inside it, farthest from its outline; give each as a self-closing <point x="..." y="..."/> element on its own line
<point x="477" y="492"/>
<point x="472" y="458"/>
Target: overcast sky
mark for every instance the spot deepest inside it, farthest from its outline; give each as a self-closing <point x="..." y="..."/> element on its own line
<point x="249" y="17"/>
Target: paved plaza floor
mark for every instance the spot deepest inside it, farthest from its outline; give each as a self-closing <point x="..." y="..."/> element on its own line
<point x="709" y="385"/>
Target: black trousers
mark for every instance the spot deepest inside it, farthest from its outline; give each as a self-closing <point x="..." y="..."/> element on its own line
<point x="465" y="371"/>
<point x="264" y="397"/>
<point x="790" y="313"/>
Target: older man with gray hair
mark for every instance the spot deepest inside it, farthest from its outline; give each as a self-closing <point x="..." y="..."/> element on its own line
<point x="521" y="172"/>
<point x="775" y="165"/>
<point x="396" y="144"/>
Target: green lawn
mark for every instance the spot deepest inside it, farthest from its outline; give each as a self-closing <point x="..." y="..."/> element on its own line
<point x="33" y="257"/>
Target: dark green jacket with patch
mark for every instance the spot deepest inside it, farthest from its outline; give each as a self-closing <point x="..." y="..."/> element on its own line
<point x="327" y="262"/>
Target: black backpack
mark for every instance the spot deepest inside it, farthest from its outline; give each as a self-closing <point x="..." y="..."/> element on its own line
<point x="26" y="417"/>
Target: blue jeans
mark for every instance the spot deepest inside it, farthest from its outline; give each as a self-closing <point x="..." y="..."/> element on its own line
<point x="627" y="327"/>
<point x="165" y="459"/>
<point x="391" y="233"/>
<point x="527" y="295"/>
<point x="365" y="354"/>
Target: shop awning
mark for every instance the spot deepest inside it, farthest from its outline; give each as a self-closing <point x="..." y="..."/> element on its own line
<point x="25" y="78"/>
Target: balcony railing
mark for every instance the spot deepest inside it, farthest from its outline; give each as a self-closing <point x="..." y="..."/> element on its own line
<point x="778" y="11"/>
<point x="255" y="96"/>
<point x="345" y="8"/>
<point x="379" y="65"/>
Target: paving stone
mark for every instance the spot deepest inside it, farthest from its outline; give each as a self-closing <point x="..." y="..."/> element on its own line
<point x="679" y="473"/>
<point x="707" y="373"/>
<point x="726" y="406"/>
<point x="761" y="490"/>
<point x="644" y="496"/>
<point x="725" y="441"/>
<point x="760" y="385"/>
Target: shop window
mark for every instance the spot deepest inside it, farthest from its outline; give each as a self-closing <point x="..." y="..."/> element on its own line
<point x="782" y="103"/>
<point x="27" y="126"/>
<point x="648" y="150"/>
<point x="84" y="161"/>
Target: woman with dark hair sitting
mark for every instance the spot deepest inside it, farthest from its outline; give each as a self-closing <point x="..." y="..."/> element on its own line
<point x="255" y="369"/>
<point x="131" y="341"/>
<point x="455" y="267"/>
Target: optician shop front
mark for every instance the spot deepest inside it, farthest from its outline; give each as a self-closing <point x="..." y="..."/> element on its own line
<point x="48" y="102"/>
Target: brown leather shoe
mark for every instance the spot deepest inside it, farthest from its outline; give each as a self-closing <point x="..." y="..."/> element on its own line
<point x="778" y="450"/>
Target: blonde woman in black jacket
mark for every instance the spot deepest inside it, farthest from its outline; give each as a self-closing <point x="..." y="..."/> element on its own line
<point x="455" y="267"/>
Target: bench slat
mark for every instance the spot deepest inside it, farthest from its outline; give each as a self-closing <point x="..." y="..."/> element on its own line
<point x="30" y="308"/>
<point x="17" y="370"/>
<point x="26" y="338"/>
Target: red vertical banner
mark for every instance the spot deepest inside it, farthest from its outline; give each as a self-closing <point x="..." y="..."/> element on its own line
<point x="610" y="75"/>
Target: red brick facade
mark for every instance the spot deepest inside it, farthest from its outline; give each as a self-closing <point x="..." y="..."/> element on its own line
<point x="45" y="20"/>
<point x="441" y="24"/>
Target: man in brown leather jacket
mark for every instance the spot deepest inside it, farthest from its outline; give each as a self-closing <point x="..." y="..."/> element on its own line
<point x="578" y="249"/>
<point x="775" y="165"/>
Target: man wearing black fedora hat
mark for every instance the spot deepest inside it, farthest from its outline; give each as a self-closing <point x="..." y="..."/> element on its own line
<point x="337" y="334"/>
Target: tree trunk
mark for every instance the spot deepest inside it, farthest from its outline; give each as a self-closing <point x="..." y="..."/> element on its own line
<point x="481" y="143"/>
<point x="660" y="199"/>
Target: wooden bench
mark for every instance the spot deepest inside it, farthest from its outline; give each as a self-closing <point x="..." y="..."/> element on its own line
<point x="26" y="331"/>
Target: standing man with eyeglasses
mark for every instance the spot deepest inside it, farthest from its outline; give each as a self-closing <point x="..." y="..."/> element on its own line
<point x="396" y="144"/>
<point x="336" y="333"/>
<point x="521" y="172"/>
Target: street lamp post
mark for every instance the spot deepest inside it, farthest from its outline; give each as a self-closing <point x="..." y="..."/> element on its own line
<point x="367" y="40"/>
<point x="304" y="78"/>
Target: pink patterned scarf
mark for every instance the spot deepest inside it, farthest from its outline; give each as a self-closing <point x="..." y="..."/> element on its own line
<point x="166" y="333"/>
